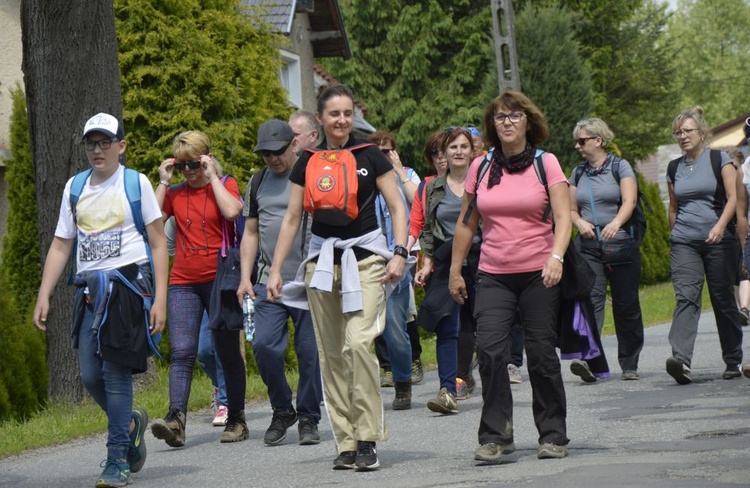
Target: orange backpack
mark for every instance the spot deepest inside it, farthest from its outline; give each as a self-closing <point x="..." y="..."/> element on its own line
<point x="331" y="185"/>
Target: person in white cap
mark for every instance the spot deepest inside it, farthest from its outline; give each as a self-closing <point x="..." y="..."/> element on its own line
<point x="111" y="254"/>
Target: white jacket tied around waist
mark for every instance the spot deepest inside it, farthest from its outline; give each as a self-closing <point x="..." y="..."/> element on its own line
<point x="293" y="294"/>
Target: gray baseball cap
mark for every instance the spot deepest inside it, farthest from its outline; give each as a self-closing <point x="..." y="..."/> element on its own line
<point x="274" y="135"/>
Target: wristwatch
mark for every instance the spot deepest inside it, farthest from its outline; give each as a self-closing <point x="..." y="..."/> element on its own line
<point x="400" y="251"/>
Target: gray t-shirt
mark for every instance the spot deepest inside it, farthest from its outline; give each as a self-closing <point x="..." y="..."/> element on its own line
<point x="695" y="187"/>
<point x="606" y="194"/>
<point x="448" y="211"/>
<point x="272" y="201"/>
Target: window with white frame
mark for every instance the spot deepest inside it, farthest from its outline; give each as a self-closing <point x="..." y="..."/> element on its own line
<point x="291" y="77"/>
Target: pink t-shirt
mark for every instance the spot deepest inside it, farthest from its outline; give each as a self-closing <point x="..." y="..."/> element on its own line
<point x="514" y="238"/>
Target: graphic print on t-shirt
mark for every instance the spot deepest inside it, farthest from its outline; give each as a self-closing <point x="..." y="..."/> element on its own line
<point x="100" y="222"/>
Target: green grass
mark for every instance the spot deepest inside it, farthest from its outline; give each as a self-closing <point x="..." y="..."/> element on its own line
<point x="58" y="423"/>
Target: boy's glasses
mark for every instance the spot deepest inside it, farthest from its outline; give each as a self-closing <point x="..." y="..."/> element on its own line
<point x="187" y="164"/>
<point x="104" y="144"/>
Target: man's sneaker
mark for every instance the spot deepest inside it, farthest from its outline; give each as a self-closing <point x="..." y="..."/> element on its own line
<point x="491" y="452"/>
<point x="236" y="429"/>
<point x="220" y="416"/>
<point x="172" y="429"/>
<point x="345" y="460"/>
<point x="116" y="473"/>
<point x="386" y="379"/>
<point x="514" y="374"/>
<point x="417" y="372"/>
<point x="732" y="372"/>
<point x="679" y="371"/>
<point x="444" y="403"/>
<point x="280" y="422"/>
<point x="746" y="370"/>
<point x="462" y="390"/>
<point x="630" y="375"/>
<point x="551" y="451"/>
<point x="308" y="432"/>
<point x="582" y="370"/>
<point x="744" y="317"/>
<point x="137" y="448"/>
<point x="367" y="456"/>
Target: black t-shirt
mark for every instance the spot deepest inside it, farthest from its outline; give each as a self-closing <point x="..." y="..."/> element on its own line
<point x="371" y="163"/>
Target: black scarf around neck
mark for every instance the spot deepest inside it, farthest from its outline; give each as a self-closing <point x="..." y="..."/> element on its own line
<point x="513" y="164"/>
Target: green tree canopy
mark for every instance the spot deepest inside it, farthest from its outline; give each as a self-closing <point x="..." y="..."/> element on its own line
<point x="196" y="65"/>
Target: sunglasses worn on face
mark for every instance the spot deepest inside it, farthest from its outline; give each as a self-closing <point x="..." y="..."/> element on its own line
<point x="274" y="153"/>
<point x="581" y="141"/>
<point x="182" y="165"/>
<point x="385" y="150"/>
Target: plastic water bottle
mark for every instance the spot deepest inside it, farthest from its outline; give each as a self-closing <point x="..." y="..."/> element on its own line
<point x="248" y="317"/>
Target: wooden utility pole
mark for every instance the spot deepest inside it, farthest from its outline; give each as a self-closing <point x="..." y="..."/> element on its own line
<point x="505" y="45"/>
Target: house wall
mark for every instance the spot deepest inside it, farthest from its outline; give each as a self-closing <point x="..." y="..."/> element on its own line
<point x="10" y="62"/>
<point x="302" y="46"/>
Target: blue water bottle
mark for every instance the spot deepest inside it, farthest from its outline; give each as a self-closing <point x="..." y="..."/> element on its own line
<point x="248" y="317"/>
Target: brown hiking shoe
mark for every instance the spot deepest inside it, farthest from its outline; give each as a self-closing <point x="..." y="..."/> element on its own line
<point x="172" y="429"/>
<point x="236" y="429"/>
<point x="403" y="396"/>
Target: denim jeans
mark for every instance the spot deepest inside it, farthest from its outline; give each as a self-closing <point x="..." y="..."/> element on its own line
<point x="271" y="340"/>
<point x="395" y="334"/>
<point x="110" y="385"/>
<point x="691" y="262"/>
<point x="209" y="360"/>
<point x="446" y="348"/>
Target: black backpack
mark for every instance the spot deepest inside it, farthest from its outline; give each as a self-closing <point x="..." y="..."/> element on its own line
<point x="637" y="221"/>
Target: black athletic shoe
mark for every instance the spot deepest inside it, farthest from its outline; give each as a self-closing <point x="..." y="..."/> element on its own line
<point x="308" y="432"/>
<point x="280" y="422"/>
<point x="345" y="460"/>
<point x="367" y="456"/>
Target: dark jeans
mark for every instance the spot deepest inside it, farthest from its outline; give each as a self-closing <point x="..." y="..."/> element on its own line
<point x="623" y="282"/>
<point x="691" y="262"/>
<point x="497" y="299"/>
<point x="271" y="340"/>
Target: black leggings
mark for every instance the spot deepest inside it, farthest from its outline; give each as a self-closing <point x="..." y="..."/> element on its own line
<point x="227" y="344"/>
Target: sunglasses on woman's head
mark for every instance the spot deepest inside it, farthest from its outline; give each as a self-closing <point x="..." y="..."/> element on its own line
<point x="182" y="165"/>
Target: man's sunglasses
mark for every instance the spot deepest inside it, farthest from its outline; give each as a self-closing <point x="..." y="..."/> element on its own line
<point x="275" y="153"/>
<point x="182" y="165"/>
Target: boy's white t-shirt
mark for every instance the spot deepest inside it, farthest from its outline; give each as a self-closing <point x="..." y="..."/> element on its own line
<point x="107" y="237"/>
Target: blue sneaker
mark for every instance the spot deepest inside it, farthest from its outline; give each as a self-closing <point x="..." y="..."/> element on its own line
<point x="116" y="473"/>
<point x="137" y="448"/>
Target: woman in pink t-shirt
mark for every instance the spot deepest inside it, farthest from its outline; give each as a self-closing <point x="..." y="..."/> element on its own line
<point x="520" y="267"/>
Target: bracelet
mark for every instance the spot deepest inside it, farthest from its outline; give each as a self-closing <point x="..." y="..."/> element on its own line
<point x="165" y="183"/>
<point x="558" y="257"/>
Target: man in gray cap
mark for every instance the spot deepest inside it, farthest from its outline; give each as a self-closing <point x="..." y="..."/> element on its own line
<point x="266" y="202"/>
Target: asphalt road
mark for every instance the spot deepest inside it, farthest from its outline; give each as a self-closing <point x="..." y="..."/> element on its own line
<point x="651" y="432"/>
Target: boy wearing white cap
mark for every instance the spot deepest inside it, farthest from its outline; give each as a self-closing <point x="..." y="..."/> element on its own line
<point x="112" y="261"/>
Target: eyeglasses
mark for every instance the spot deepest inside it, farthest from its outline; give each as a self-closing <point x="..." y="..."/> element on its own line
<point x="182" y="165"/>
<point x="104" y="144"/>
<point x="515" y="117"/>
<point x="581" y="141"/>
<point x="281" y="151"/>
<point x="683" y="132"/>
<point x="434" y="152"/>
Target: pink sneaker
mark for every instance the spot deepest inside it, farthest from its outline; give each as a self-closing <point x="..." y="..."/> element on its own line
<point x="220" y="416"/>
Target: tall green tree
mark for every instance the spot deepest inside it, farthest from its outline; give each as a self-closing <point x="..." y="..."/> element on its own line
<point x="712" y="42"/>
<point x="196" y="65"/>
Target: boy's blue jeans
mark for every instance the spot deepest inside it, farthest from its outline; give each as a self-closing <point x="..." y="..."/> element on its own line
<point x="111" y="386"/>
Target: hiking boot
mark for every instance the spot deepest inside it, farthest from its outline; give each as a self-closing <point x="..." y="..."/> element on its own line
<point x="732" y="372"/>
<point x="386" y="379"/>
<point x="462" y="390"/>
<point x="630" y="375"/>
<point x="444" y="403"/>
<point x="403" y="396"/>
<point x="582" y="370"/>
<point x="367" y="457"/>
<point x="220" y="416"/>
<point x="308" y="431"/>
<point x="744" y="317"/>
<point x="137" y="448"/>
<point x="280" y="422"/>
<point x="172" y="429"/>
<point x="746" y="370"/>
<point x="491" y="452"/>
<point x="236" y="429"/>
<point x="551" y="451"/>
<point x="345" y="460"/>
<point x="417" y="372"/>
<point x="514" y="374"/>
<point x="679" y="371"/>
<point x="116" y="473"/>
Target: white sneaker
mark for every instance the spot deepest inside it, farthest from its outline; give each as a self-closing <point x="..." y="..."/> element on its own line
<point x="220" y="416"/>
<point x="514" y="373"/>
